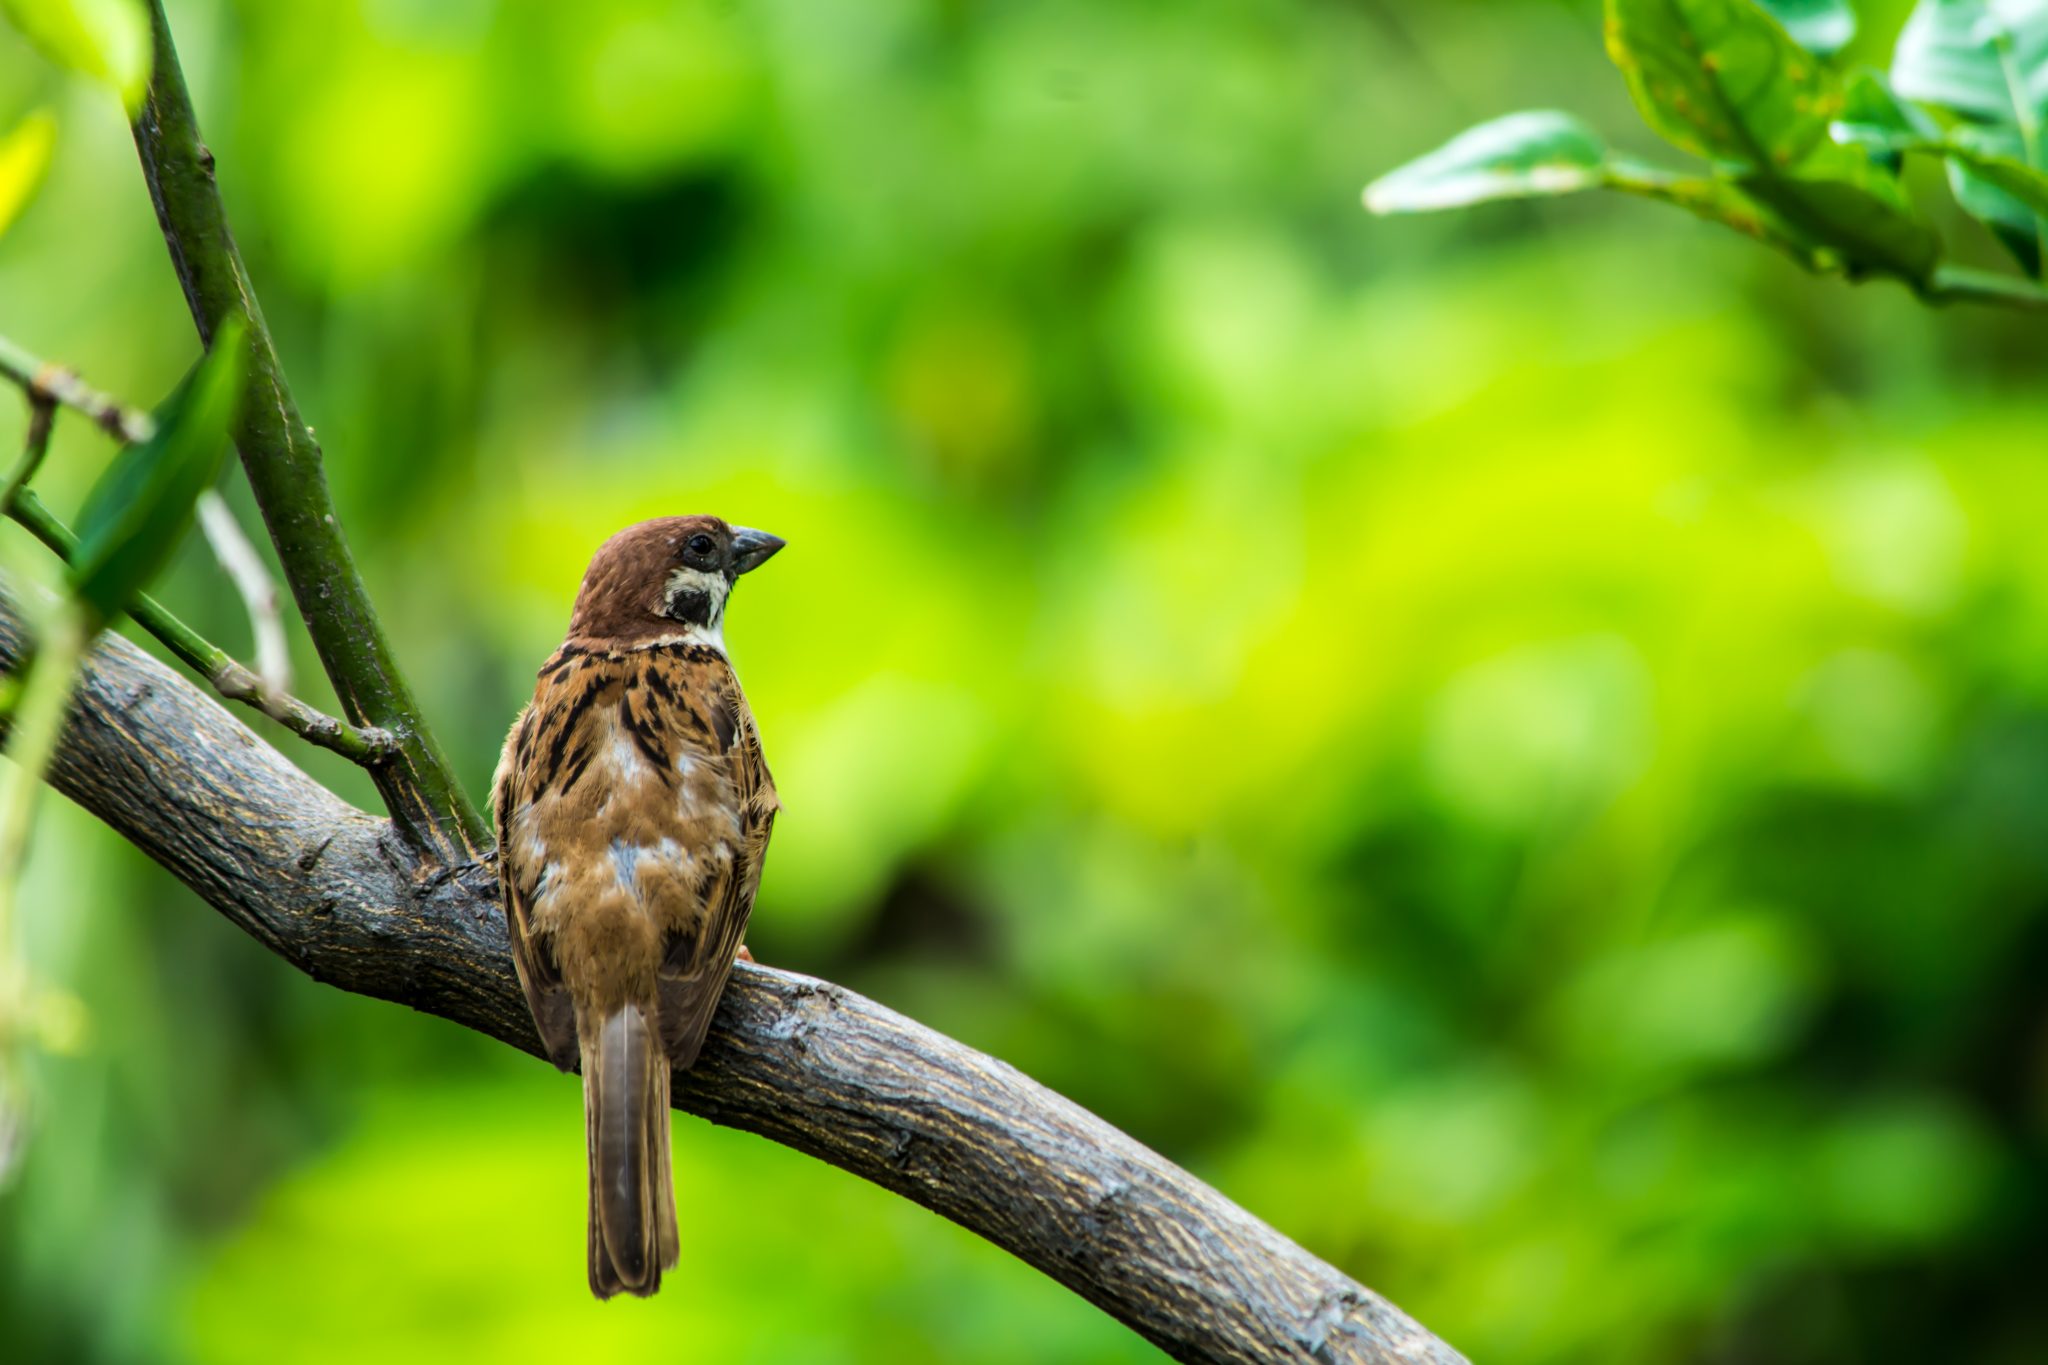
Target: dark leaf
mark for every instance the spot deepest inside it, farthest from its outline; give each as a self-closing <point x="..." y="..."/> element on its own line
<point x="140" y="508"/>
<point x="1987" y="170"/>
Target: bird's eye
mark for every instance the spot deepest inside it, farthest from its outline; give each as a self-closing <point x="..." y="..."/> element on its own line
<point x="700" y="544"/>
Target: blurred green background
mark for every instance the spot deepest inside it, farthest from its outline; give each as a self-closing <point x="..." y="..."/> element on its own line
<point x="1514" y="744"/>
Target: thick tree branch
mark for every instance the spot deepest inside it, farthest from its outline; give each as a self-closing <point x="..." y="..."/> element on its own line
<point x="340" y="895"/>
<point x="285" y="472"/>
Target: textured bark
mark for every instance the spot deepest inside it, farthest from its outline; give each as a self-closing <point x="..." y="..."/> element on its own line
<point x="806" y="1063"/>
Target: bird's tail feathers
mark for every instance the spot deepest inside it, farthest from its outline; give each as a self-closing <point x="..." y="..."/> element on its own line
<point x="632" y="1195"/>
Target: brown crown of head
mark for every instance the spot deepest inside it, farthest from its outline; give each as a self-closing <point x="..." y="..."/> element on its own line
<point x="650" y="579"/>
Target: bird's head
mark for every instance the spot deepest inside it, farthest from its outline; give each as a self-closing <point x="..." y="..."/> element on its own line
<point x="666" y="579"/>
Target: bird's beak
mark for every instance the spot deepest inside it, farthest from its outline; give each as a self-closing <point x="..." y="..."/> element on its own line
<point x="751" y="549"/>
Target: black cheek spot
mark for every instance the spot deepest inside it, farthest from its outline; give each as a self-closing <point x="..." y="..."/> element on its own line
<point x="693" y="606"/>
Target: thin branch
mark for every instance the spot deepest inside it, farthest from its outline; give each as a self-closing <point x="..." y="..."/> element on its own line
<point x="35" y="447"/>
<point x="285" y="472"/>
<point x="41" y="379"/>
<point x="800" y="1061"/>
<point x="244" y="568"/>
<point x="366" y="746"/>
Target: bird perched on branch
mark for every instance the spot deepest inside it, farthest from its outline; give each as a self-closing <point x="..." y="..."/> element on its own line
<point x="633" y="809"/>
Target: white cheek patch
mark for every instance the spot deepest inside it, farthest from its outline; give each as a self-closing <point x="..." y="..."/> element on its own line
<point x="712" y="587"/>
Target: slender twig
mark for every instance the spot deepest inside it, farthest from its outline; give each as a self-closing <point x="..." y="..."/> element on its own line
<point x="42" y="420"/>
<point x="365" y="745"/>
<point x="419" y="787"/>
<point x="244" y="568"/>
<point x="53" y="382"/>
<point x="803" y="1062"/>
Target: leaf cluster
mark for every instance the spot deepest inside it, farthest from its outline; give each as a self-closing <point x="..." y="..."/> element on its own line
<point x="1799" y="152"/>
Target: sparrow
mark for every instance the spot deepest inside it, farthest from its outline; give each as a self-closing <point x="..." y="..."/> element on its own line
<point x="633" y="809"/>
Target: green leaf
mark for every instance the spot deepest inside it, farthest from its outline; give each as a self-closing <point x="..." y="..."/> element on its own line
<point x="1723" y="78"/>
<point x="1991" y="179"/>
<point x="24" y="156"/>
<point x="1987" y="59"/>
<point x="1822" y="27"/>
<point x="1543" y="153"/>
<point x="1840" y="197"/>
<point x="1719" y="201"/>
<point x="138" y="511"/>
<point x="107" y="40"/>
<point x="1520" y="156"/>
<point x="1987" y="170"/>
<point x="1873" y="117"/>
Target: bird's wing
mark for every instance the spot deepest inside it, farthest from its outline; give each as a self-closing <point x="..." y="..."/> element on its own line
<point x="633" y="791"/>
<point x="521" y="866"/>
<point x="717" y="732"/>
<point x="756" y="788"/>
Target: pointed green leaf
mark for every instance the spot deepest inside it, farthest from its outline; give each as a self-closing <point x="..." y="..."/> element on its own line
<point x="138" y="511"/>
<point x="1873" y="118"/>
<point x="1987" y="59"/>
<point x="1839" y="196"/>
<point x="1516" y="157"/>
<point x="1991" y="179"/>
<point x="1542" y="153"/>
<point x="1724" y="79"/>
<point x="107" y="40"/>
<point x="1987" y="171"/>
<point x="24" y="156"/>
<point x="1822" y="27"/>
